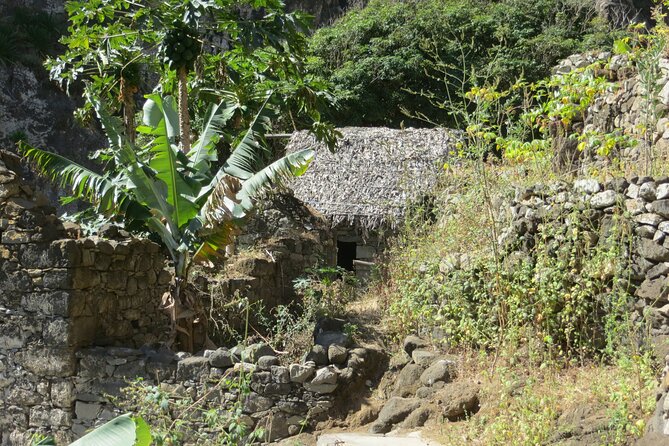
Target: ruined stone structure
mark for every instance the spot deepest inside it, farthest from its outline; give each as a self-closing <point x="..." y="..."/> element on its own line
<point x="58" y="295"/>
<point x="81" y="318"/>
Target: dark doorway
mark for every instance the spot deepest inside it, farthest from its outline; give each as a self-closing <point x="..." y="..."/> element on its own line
<point x="346" y="255"/>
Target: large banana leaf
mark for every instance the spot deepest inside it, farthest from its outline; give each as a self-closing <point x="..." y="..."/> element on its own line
<point x="145" y="187"/>
<point x="164" y="163"/>
<point x="218" y="219"/>
<point x="118" y="432"/>
<point x="293" y="164"/>
<point x="204" y="150"/>
<point x="249" y="154"/>
<point x="85" y="183"/>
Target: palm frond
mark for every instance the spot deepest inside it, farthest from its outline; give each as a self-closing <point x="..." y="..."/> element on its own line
<point x="205" y="148"/>
<point x="84" y="183"/>
<point x="294" y="164"/>
<point x="248" y="155"/>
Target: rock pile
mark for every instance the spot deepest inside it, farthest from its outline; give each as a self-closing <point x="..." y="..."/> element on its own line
<point x="282" y="399"/>
<point x="424" y="389"/>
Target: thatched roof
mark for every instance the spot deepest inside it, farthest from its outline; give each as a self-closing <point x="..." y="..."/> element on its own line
<point x="374" y="173"/>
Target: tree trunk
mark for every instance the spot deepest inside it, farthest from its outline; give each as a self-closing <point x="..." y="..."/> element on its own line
<point x="184" y="117"/>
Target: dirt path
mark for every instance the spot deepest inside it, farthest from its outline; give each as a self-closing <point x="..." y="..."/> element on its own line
<point x="362" y="439"/>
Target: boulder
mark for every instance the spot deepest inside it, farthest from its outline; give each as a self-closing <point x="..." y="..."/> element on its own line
<point x="337" y="354"/>
<point x="300" y="373"/>
<point x="267" y="361"/>
<point x="652" y="251"/>
<point x="317" y="355"/>
<point x="423" y="357"/>
<point x="255" y="351"/>
<point x="220" y="358"/>
<point x="440" y="370"/>
<point x="458" y="399"/>
<point x="413" y="342"/>
<point x="408" y="380"/>
<point x="605" y="199"/>
<point x="393" y="412"/>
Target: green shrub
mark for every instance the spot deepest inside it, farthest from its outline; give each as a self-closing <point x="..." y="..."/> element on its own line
<point x="380" y="57"/>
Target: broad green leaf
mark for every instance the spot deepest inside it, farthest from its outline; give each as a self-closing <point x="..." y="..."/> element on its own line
<point x="248" y="156"/>
<point x="142" y="432"/>
<point x="293" y="164"/>
<point x="205" y="148"/>
<point x="118" y="432"/>
<point x="164" y="163"/>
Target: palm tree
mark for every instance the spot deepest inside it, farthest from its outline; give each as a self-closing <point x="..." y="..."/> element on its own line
<point x="194" y="206"/>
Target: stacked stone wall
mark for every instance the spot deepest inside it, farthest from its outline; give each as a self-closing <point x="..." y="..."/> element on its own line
<point x="640" y="203"/>
<point x="57" y="295"/>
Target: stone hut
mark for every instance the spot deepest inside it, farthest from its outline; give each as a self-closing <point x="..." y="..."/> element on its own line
<point x="365" y="186"/>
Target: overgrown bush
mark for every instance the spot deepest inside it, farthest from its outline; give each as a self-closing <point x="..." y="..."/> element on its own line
<point x="380" y="57"/>
<point x="566" y="300"/>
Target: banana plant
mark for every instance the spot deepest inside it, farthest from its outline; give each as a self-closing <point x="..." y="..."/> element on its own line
<point x="193" y="201"/>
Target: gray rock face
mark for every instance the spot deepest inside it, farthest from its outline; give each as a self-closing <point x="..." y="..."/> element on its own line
<point x="255" y="351"/>
<point x="300" y="373"/>
<point x="653" y="289"/>
<point x="660" y="207"/>
<point x="652" y="251"/>
<point x="325" y="381"/>
<point x="393" y="412"/>
<point x="440" y="370"/>
<point x="266" y="362"/>
<point x="408" y="380"/>
<point x="257" y="403"/>
<point x="459" y="399"/>
<point x="193" y="368"/>
<point x="423" y="357"/>
<point x="328" y="338"/>
<point x="337" y="354"/>
<point x="604" y="199"/>
<point x="648" y="191"/>
<point x="220" y="358"/>
<point x="317" y="354"/>
<point x="413" y="342"/>
<point x="587" y="186"/>
<point x="649" y="219"/>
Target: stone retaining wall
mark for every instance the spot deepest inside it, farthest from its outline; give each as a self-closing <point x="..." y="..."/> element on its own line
<point x="283" y="400"/>
<point x="58" y="295"/>
<point x="642" y="203"/>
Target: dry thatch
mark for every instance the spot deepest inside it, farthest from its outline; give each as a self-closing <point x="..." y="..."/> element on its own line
<point x="374" y="173"/>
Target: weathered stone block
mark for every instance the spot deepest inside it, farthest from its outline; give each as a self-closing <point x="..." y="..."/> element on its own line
<point x="58" y="278"/>
<point x="52" y="303"/>
<point x="652" y="251"/>
<point x="653" y="289"/>
<point x="62" y="393"/>
<point x="661" y="207"/>
<point x="85" y="278"/>
<point x="194" y="368"/>
<point x="56" y="362"/>
<point x="300" y="373"/>
<point x="87" y="411"/>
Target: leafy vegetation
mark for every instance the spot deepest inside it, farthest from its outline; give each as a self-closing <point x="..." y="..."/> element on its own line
<point x="239" y="50"/>
<point x="186" y="200"/>
<point x="394" y="55"/>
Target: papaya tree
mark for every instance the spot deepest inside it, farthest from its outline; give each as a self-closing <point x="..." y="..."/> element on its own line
<point x="200" y="51"/>
<point x="191" y="200"/>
